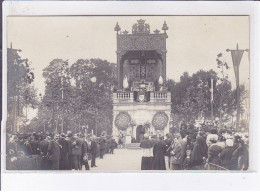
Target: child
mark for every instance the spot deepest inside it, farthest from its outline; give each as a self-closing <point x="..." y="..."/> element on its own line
<point x="186" y="163"/>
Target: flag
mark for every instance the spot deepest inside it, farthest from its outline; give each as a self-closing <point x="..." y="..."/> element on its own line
<point x="236" y="58"/>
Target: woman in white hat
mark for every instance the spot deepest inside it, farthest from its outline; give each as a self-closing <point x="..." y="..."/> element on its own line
<point x="226" y="155"/>
<point x="213" y="151"/>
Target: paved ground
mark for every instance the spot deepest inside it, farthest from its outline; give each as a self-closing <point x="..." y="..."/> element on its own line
<point x="122" y="159"/>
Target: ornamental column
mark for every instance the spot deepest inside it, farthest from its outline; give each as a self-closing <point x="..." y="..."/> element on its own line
<point x="163" y="54"/>
<point x="119" y="69"/>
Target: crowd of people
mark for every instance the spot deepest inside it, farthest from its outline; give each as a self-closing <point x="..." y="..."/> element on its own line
<point x="56" y="151"/>
<point x="183" y="150"/>
<point x="199" y="150"/>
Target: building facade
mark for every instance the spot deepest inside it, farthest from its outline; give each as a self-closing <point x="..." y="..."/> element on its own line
<point x="141" y="101"/>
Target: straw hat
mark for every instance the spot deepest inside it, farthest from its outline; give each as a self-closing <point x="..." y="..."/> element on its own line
<point x="229" y="142"/>
<point x="212" y="137"/>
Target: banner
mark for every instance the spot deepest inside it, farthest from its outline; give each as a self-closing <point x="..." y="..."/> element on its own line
<point x="236" y="58"/>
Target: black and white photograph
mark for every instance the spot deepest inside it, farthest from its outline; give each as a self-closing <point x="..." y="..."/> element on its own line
<point x="128" y="93"/>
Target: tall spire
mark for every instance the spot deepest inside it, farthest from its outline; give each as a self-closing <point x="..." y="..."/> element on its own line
<point x="165" y="27"/>
<point x="117" y="28"/>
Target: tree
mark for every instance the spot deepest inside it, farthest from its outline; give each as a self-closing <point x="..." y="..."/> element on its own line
<point x="94" y="102"/>
<point x="191" y="96"/>
<point x="57" y="94"/>
<point x="77" y="96"/>
<point x="20" y="92"/>
<point x="223" y="66"/>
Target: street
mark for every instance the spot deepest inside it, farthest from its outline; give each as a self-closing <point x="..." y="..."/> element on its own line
<point x="122" y="159"/>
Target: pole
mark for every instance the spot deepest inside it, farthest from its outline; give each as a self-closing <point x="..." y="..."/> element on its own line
<point x="221" y="100"/>
<point x="14" y="114"/>
<point x="96" y="127"/>
<point x="238" y="97"/>
<point x="62" y="120"/>
<point x="26" y="117"/>
<point x="211" y="100"/>
<point x="52" y="117"/>
<point x="238" y="101"/>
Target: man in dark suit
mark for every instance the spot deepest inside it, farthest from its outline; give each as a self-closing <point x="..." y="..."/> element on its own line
<point x="159" y="151"/>
<point x="112" y="146"/>
<point x="33" y="144"/>
<point x="64" y="159"/>
<point x="102" y="144"/>
<point x="45" y="164"/>
<point x="168" y="141"/>
<point x="69" y="140"/>
<point x="54" y="153"/>
<point x="76" y="152"/>
<point x="85" y="150"/>
<point x="93" y="151"/>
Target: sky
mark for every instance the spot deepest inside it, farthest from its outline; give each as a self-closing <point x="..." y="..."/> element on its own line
<point x="193" y="41"/>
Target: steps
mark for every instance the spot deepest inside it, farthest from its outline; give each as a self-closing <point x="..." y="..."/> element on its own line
<point x="132" y="146"/>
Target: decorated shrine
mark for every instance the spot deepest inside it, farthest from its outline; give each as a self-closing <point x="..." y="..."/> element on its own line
<point x="141" y="101"/>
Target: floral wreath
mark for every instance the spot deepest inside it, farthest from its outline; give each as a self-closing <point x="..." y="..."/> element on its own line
<point x="122" y="121"/>
<point x="160" y="120"/>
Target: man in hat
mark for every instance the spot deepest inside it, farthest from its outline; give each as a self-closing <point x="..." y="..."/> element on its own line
<point x="168" y="142"/>
<point x="93" y="151"/>
<point x="76" y="152"/>
<point x="102" y="144"/>
<point x="159" y="151"/>
<point x="69" y="140"/>
<point x="85" y="150"/>
<point x="54" y="153"/>
<point x="45" y="164"/>
<point x="33" y="144"/>
<point x="240" y="155"/>
<point x="112" y="146"/>
<point x="176" y="154"/>
<point x="64" y="160"/>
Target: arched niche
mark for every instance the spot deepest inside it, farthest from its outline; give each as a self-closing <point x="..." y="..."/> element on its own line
<point x="141" y="65"/>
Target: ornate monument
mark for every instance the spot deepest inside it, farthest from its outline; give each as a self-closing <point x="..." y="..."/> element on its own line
<point x="141" y="102"/>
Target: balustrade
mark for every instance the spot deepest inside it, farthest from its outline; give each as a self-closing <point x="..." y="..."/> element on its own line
<point x="154" y="97"/>
<point x="160" y="95"/>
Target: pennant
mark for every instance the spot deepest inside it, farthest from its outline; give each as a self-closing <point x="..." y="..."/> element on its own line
<point x="236" y="58"/>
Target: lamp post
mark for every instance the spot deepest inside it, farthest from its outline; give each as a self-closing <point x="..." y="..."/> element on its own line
<point x="236" y="59"/>
<point x="62" y="101"/>
<point x="211" y="99"/>
<point x="94" y="80"/>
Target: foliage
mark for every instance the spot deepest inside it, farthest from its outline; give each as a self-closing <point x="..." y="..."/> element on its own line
<point x="191" y="96"/>
<point x="73" y="97"/>
<point x="95" y="100"/>
<point x="21" y="94"/>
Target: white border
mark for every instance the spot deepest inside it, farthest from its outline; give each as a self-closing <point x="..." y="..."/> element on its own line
<point x="142" y="181"/>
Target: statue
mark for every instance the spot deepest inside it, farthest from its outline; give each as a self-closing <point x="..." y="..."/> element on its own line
<point x="134" y="28"/>
<point x="160" y="80"/>
<point x="141" y="27"/>
<point x="147" y="28"/>
<point x="125" y="82"/>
